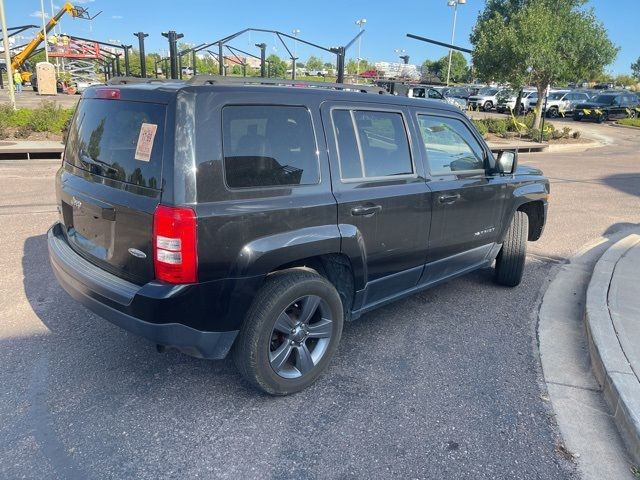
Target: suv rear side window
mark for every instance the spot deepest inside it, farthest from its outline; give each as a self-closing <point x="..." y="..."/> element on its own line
<point x="112" y="138"/>
<point x="268" y="145"/>
<point x="378" y="147"/>
<point x="450" y="145"/>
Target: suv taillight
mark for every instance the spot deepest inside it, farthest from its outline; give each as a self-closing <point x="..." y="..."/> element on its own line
<point x="175" y="256"/>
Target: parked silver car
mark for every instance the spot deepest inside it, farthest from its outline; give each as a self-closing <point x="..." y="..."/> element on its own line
<point x="560" y="103"/>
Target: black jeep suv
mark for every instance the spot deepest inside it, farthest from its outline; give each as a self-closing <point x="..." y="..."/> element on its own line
<point x="219" y="215"/>
<point x="609" y="106"/>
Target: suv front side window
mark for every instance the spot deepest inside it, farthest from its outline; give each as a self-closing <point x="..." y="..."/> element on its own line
<point x="450" y="146"/>
<point x="268" y="145"/>
<point x="371" y="144"/>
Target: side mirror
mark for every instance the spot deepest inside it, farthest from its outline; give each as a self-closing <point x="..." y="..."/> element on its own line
<point x="507" y="161"/>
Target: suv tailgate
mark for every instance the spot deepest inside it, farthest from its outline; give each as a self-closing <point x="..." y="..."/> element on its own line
<point x="110" y="184"/>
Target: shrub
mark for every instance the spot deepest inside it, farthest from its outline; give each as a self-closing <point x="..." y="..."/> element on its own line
<point x="20" y="117"/>
<point x="566" y="132"/>
<point x="481" y="126"/>
<point x="576" y="134"/>
<point x="46" y="118"/>
<point x="496" y="126"/>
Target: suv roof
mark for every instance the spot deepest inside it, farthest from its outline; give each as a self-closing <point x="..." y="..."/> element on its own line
<point x="333" y="91"/>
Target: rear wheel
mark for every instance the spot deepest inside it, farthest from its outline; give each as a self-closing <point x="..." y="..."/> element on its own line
<point x="291" y="332"/>
<point x="487" y="106"/>
<point x="603" y="117"/>
<point x="553" y="112"/>
<point x="632" y="113"/>
<point x="510" y="261"/>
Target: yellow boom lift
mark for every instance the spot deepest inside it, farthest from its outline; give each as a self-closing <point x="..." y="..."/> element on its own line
<point x="18" y="60"/>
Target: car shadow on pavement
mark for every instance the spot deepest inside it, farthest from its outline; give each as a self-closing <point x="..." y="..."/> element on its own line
<point x="82" y="349"/>
<point x="625" y="182"/>
<point x="82" y="345"/>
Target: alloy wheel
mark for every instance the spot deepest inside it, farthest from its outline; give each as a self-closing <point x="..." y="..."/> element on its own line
<point x="300" y="337"/>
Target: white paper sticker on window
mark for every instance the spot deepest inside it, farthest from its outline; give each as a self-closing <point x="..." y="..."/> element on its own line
<point x="145" y="141"/>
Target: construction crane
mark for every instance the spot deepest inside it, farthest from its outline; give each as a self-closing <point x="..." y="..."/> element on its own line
<point x="18" y="60"/>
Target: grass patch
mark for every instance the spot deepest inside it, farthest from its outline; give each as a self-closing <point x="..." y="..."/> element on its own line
<point x="47" y="117"/>
<point x="630" y="122"/>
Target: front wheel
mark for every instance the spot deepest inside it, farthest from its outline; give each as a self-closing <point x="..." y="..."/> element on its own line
<point x="487" y="106"/>
<point x="510" y="261"/>
<point x="290" y="333"/>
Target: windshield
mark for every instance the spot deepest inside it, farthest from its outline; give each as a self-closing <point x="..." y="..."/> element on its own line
<point x="604" y="99"/>
<point x="507" y="94"/>
<point x="488" y="91"/>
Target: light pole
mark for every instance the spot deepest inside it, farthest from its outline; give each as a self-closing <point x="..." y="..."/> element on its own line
<point x="44" y="31"/>
<point x="454" y="4"/>
<point x="296" y="32"/>
<point x="7" y="57"/>
<point x="401" y="54"/>
<point x="360" y="24"/>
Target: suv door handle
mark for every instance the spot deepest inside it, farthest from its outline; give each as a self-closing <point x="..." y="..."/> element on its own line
<point x="366" y="210"/>
<point x="448" y="198"/>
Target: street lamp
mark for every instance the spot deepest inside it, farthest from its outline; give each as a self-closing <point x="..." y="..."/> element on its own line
<point x="454" y="4"/>
<point x="295" y="32"/>
<point x="360" y="24"/>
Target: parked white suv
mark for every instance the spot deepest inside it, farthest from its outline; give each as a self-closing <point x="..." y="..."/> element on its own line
<point x="485" y="99"/>
<point x="507" y="101"/>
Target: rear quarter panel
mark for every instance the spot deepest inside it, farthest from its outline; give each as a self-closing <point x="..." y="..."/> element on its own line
<point x="251" y="231"/>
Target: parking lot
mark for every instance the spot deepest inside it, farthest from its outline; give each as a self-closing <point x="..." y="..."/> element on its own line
<point x="445" y="384"/>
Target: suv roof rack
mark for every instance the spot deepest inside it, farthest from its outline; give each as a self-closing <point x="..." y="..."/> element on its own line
<point x="220" y="80"/>
<point x="126" y="80"/>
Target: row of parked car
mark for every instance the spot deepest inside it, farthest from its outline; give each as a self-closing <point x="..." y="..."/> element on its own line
<point x="594" y="104"/>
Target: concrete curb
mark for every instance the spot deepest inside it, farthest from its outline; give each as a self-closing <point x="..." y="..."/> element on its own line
<point x="574" y="147"/>
<point x="31" y="150"/>
<point x="619" y="383"/>
<point x="630" y="127"/>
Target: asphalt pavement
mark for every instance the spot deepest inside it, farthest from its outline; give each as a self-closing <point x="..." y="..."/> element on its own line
<point x="445" y="384"/>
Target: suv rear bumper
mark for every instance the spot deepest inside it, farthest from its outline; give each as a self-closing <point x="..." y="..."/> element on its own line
<point x="141" y="310"/>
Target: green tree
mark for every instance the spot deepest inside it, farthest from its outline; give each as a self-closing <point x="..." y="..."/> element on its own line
<point x="625" y="80"/>
<point x="459" y="67"/>
<point x="277" y="66"/>
<point x="635" y="68"/>
<point x="539" y="41"/>
<point x="352" y="66"/>
<point x="314" y="64"/>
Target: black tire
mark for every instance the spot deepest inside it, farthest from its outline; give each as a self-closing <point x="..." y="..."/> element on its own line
<point x="632" y="113"/>
<point x="487" y="106"/>
<point x="553" y="112"/>
<point x="603" y="117"/>
<point x="510" y="261"/>
<point x="252" y="349"/>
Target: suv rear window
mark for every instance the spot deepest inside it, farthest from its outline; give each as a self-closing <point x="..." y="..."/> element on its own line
<point x="121" y="140"/>
<point x="268" y="145"/>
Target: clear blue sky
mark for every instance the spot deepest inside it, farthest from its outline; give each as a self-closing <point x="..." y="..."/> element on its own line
<point x="327" y="22"/>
